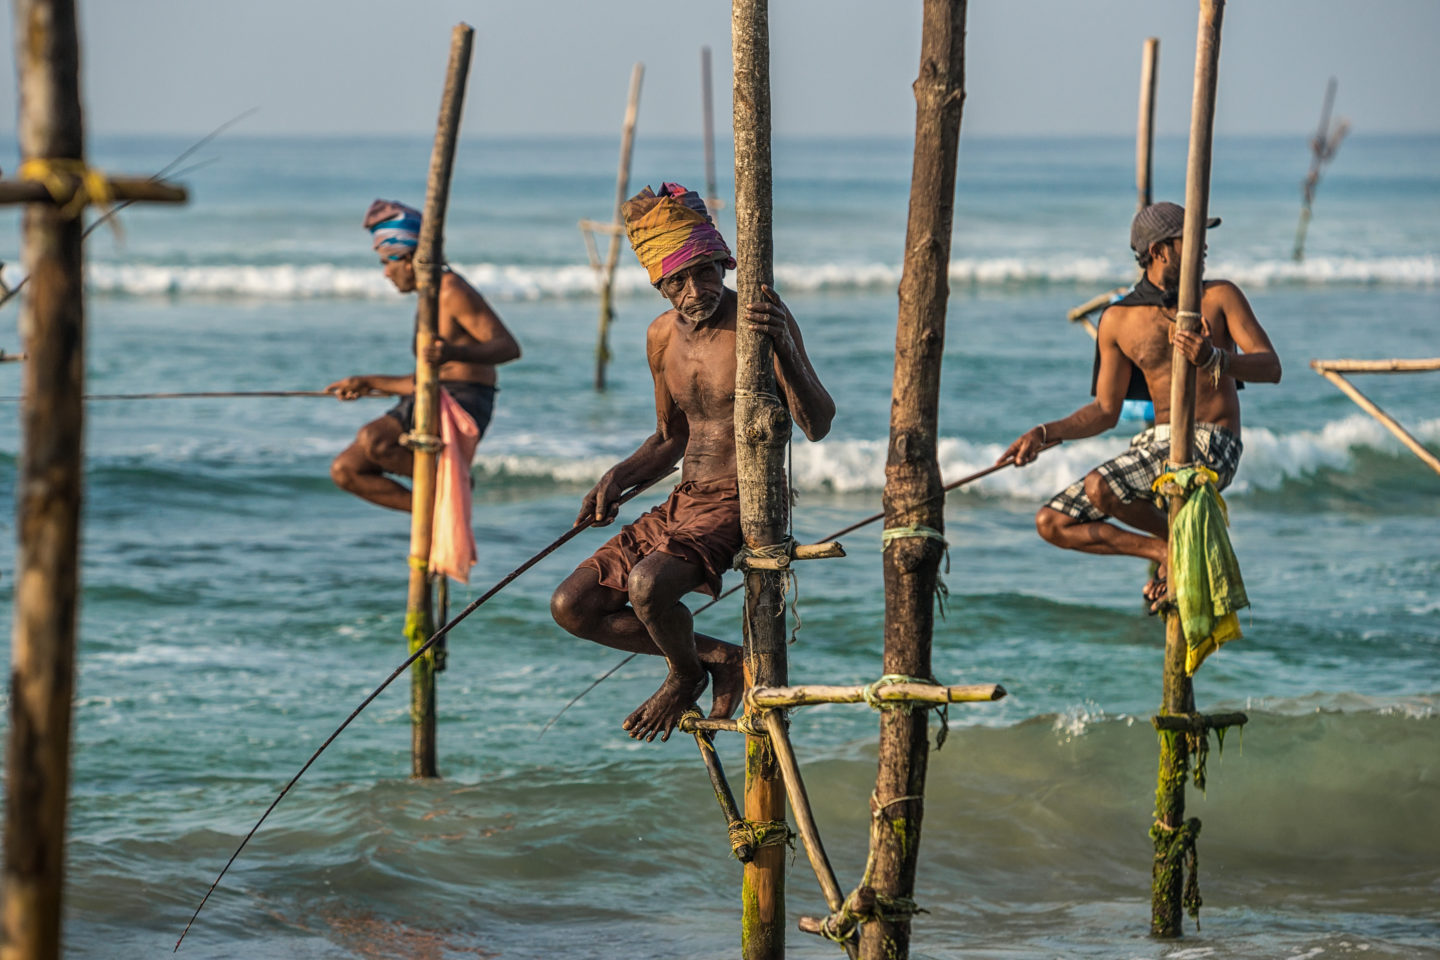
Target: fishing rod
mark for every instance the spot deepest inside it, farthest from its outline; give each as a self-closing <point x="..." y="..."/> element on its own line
<point x="116" y="208"/>
<point x="420" y="651"/>
<point x="207" y="395"/>
<point x="1007" y="462"/>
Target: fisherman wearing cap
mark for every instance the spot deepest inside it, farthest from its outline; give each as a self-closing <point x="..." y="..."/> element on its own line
<point x="628" y="594"/>
<point x="1133" y="358"/>
<point x="471" y="343"/>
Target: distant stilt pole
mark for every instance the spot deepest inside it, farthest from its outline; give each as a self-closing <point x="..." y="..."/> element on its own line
<point x="612" y="256"/>
<point x="425" y="434"/>
<point x="762" y="429"/>
<point x="1322" y="151"/>
<point x="1145" y="127"/>
<point x="1171" y="832"/>
<point x="707" y="103"/>
<point x="913" y="490"/>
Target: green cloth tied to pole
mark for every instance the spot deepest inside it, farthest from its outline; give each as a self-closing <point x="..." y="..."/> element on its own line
<point x="1204" y="573"/>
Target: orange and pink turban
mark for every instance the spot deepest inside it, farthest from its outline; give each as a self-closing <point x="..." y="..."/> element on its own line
<point x="672" y="230"/>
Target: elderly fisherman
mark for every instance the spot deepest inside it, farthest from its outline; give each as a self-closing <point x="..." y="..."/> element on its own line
<point x="1133" y="360"/>
<point x="472" y="342"/>
<point x="627" y="595"/>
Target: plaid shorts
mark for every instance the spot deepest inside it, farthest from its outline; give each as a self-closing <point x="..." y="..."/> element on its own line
<point x="1131" y="474"/>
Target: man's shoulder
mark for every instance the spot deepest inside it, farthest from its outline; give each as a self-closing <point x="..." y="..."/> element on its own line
<point x="453" y="285"/>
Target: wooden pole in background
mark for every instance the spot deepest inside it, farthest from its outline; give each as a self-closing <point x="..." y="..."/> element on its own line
<point x="707" y="102"/>
<point x="1145" y="128"/>
<point x="762" y="429"/>
<point x="612" y="256"/>
<point x="1322" y="151"/>
<point x="429" y="260"/>
<point x="48" y="495"/>
<point x="913" y="494"/>
<point x="1178" y="695"/>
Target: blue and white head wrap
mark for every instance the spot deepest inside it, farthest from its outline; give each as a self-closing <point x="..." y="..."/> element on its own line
<point x="394" y="228"/>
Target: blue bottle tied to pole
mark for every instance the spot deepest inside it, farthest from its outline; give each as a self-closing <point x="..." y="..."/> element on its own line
<point x="1138" y="410"/>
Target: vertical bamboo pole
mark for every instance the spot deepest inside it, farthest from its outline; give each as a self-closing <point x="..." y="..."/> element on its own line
<point x="1178" y="696"/>
<point x="429" y="259"/>
<point x="48" y="494"/>
<point x="913" y="494"/>
<point x="707" y="105"/>
<point x="762" y="429"/>
<point x="612" y="256"/>
<point x="1145" y="127"/>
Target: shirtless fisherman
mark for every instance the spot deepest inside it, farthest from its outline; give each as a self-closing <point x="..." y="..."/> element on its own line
<point x="1135" y="337"/>
<point x="472" y="341"/>
<point x="627" y="596"/>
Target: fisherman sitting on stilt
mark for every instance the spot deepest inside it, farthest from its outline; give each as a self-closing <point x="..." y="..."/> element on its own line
<point x="627" y="596"/>
<point x="472" y="342"/>
<point x="1133" y="358"/>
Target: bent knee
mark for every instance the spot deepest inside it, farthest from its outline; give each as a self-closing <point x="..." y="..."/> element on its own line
<point x="342" y="473"/>
<point x="377" y="441"/>
<point x="1049" y="522"/>
<point x="567" y="611"/>
<point x="1099" y="492"/>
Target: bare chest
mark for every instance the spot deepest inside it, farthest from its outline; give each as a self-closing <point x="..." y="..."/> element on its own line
<point x="700" y="372"/>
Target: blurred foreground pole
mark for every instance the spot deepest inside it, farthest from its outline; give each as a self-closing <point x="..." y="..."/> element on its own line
<point x="56" y="186"/>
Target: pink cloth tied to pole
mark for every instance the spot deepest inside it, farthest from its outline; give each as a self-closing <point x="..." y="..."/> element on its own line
<point x="452" y="542"/>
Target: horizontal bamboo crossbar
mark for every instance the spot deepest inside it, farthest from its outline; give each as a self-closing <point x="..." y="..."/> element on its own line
<point x="600" y="226"/>
<point x="708" y="724"/>
<point x="810" y="695"/>
<point x="1372" y="408"/>
<point x="801" y="551"/>
<point x="1422" y="365"/>
<point x="1199" y="722"/>
<point x="1076" y="314"/>
<point x="121" y="188"/>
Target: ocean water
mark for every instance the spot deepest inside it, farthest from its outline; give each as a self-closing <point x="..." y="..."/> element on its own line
<point x="236" y="605"/>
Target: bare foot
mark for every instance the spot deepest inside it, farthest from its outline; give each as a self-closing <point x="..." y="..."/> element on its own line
<point x="660" y="714"/>
<point x="1157" y="590"/>
<point x="728" y="679"/>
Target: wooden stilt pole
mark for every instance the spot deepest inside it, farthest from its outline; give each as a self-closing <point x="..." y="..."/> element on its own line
<point x="429" y="260"/>
<point x="49" y="487"/>
<point x="913" y="496"/>
<point x="762" y="429"/>
<point x="1171" y="832"/>
<point x="707" y="105"/>
<point x="1145" y="127"/>
<point x="1322" y="151"/>
<point x="1144" y="174"/>
<point x="612" y="255"/>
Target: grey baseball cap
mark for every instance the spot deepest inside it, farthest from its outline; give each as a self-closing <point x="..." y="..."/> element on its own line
<point x="1158" y="222"/>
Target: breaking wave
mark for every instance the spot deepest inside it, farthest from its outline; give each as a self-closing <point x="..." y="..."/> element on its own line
<point x="1271" y="460"/>
<point x="510" y="282"/>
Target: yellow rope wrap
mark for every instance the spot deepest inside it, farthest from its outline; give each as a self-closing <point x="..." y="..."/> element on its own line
<point x="56" y="175"/>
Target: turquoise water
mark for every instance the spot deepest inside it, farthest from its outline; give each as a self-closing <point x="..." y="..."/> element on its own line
<point x="237" y="606"/>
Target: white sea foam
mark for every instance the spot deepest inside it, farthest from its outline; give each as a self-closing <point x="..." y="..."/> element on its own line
<point x="510" y="282"/>
<point x="848" y="466"/>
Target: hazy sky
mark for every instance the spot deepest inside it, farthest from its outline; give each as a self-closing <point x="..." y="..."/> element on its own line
<point x="838" y="66"/>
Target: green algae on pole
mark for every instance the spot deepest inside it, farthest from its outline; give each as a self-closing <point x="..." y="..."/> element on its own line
<point x="913" y="498"/>
<point x="1172" y="834"/>
<point x="762" y="430"/>
<point x="424" y="435"/>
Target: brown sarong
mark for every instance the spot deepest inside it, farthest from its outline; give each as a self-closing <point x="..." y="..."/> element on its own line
<point x="699" y="523"/>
